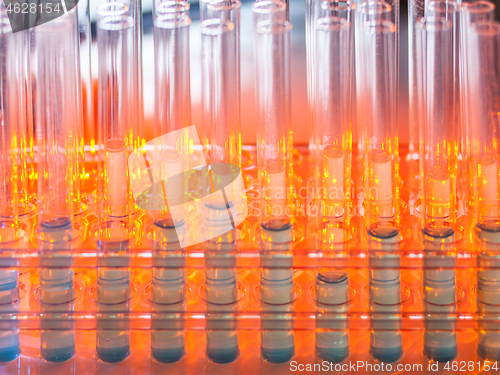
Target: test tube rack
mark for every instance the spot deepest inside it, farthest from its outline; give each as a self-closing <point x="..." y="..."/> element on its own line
<point x="308" y="256"/>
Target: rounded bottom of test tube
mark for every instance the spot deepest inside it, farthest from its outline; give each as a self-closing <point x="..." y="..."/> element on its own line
<point x="169" y="355"/>
<point x="9" y="353"/>
<point x="387" y="355"/>
<point x="440" y="353"/>
<point x="486" y="350"/>
<point x="113" y="355"/>
<point x="335" y="355"/>
<point x="222" y="355"/>
<point x="278" y="355"/>
<point x="58" y="354"/>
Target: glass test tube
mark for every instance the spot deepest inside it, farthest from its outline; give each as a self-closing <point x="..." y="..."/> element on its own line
<point x="332" y="302"/>
<point x="172" y="101"/>
<point x="314" y="10"/>
<point x="14" y="121"/>
<point x="437" y="73"/>
<point x="58" y="105"/>
<point x="484" y="108"/>
<point x="221" y="99"/>
<point x="448" y="9"/>
<point x="488" y="291"/>
<point x="14" y="124"/>
<point x="385" y="295"/>
<point x="117" y="111"/>
<point x="89" y="126"/>
<point x="220" y="286"/>
<point x="221" y="295"/>
<point x="438" y="138"/>
<point x="277" y="295"/>
<point x="332" y="114"/>
<point x="221" y="113"/>
<point x="372" y="10"/>
<point x="10" y="345"/>
<point x="483" y="41"/>
<point x="172" y="113"/>
<point x="416" y="10"/>
<point x="168" y="291"/>
<point x="376" y="101"/>
<point x="439" y="294"/>
<point x="117" y="41"/>
<point x="57" y="293"/>
<point x="135" y="7"/>
<point x="274" y="136"/>
<point x="221" y="82"/>
<point x="472" y="11"/>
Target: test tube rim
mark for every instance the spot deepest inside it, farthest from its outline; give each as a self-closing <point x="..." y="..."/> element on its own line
<point x="216" y="27"/>
<point x="453" y="6"/>
<point x="221" y="5"/>
<point x="482" y="6"/>
<point x="268" y="6"/>
<point x="105" y="9"/>
<point x="490" y="24"/>
<point x="172" y="6"/>
<point x="384" y="7"/>
<point x="115" y="22"/>
<point x="327" y="5"/>
<point x="331" y="23"/>
<point x="423" y="23"/>
<point x="172" y="21"/>
<point x="382" y="27"/>
<point x="273" y="27"/>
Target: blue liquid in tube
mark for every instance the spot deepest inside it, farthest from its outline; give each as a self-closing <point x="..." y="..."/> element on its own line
<point x="113" y="336"/>
<point x="221" y="295"/>
<point x="167" y="336"/>
<point x="57" y="293"/>
<point x="9" y="303"/>
<point x="488" y="290"/>
<point x="440" y="338"/>
<point x="332" y="334"/>
<point x="386" y="343"/>
<point x="168" y="289"/>
<point x="277" y="294"/>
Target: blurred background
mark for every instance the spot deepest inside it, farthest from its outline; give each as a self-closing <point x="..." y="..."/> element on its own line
<point x="300" y="123"/>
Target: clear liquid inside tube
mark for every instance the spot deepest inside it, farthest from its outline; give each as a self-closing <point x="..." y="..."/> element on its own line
<point x="332" y="334"/>
<point x="488" y="291"/>
<point x="221" y="295"/>
<point x="168" y="292"/>
<point x="277" y="295"/>
<point x="439" y="293"/>
<point x="113" y="294"/>
<point x="10" y="346"/>
<point x="57" y="292"/>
